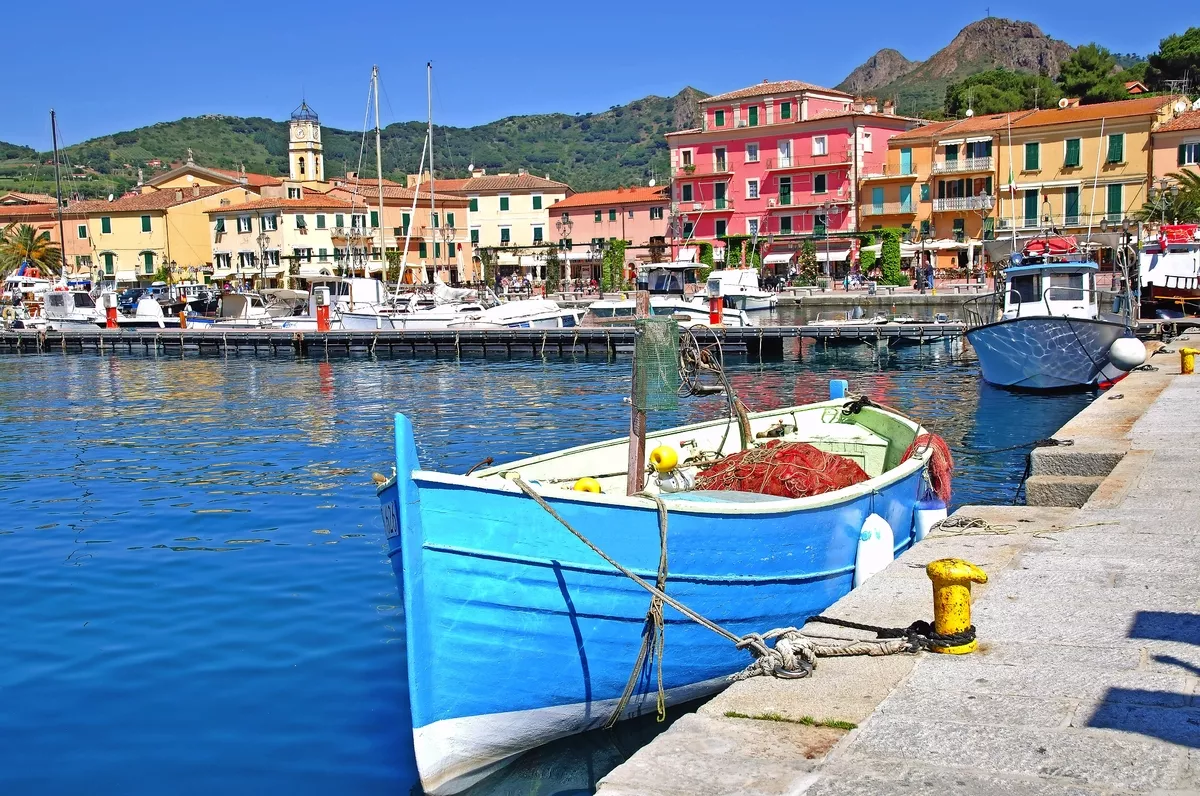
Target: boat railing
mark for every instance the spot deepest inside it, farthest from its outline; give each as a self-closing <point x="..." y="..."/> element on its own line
<point x="983" y="309"/>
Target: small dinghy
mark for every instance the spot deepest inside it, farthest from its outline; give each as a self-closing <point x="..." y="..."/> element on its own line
<point x="519" y="633"/>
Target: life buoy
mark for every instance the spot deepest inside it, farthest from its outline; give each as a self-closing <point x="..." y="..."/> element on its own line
<point x="33" y="273"/>
<point x="9" y="313"/>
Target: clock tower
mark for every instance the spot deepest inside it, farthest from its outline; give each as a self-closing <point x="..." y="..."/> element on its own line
<point x="304" y="146"/>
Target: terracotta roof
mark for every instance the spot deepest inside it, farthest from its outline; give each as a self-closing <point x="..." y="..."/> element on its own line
<point x="1186" y="121"/>
<point x="933" y="128"/>
<point x="499" y="182"/>
<point x="617" y="196"/>
<point x="1142" y="106"/>
<point x="28" y="198"/>
<point x="155" y="200"/>
<point x="766" y="88"/>
<point x="362" y="182"/>
<point x="12" y="212"/>
<point x="830" y="113"/>
<point x="311" y="202"/>
<point x="988" y="123"/>
<point x="252" y="179"/>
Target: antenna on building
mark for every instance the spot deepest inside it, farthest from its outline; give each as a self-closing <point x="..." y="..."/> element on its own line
<point x="651" y="183"/>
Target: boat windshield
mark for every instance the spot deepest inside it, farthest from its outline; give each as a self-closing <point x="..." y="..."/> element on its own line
<point x="1065" y="287"/>
<point x="1028" y="287"/>
<point x="662" y="280"/>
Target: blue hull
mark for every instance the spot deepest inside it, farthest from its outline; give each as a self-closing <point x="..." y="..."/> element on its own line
<point x="519" y="634"/>
<point x="1046" y="352"/>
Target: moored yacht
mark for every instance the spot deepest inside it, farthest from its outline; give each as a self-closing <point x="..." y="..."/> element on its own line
<point x="1050" y="333"/>
<point x="1170" y="272"/>
<point x="668" y="284"/>
<point x="740" y="289"/>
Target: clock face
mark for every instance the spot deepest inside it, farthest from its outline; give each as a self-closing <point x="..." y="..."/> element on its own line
<point x="301" y="132"/>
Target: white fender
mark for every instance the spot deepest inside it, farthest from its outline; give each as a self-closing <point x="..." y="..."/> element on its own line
<point x="926" y="513"/>
<point x="875" y="549"/>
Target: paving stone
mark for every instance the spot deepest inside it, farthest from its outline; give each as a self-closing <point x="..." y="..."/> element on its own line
<point x="1019" y="711"/>
<point x="869" y="781"/>
<point x="1177" y="725"/>
<point x="1088" y="757"/>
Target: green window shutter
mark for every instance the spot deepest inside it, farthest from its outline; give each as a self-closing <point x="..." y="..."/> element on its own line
<point x="433" y="220"/>
<point x="925" y="229"/>
<point x="339" y="220"/>
<point x="924" y="192"/>
<point x="1072" y="158"/>
<point x="449" y="219"/>
<point x="785" y="225"/>
<point x="612" y="214"/>
<point x="1071" y="206"/>
<point x="1182" y="159"/>
<point x="503" y="202"/>
<point x="785" y="112"/>
<point x="148" y="262"/>
<point x="720" y="228"/>
<point x="719" y="118"/>
<point x="1032" y="158"/>
<point x="145" y="223"/>
<point x="906" y="199"/>
<point x="374" y="218"/>
<point x="320" y="222"/>
<point x="83" y="227"/>
<point x="106" y="225"/>
<point x="423" y="250"/>
<point x="322" y="254"/>
<point x="475" y="236"/>
<point x="405" y="220"/>
<point x="906" y="160"/>
<point x="437" y="250"/>
<point x="474" y="204"/>
<point x="537" y="234"/>
<point x="1031" y="208"/>
<point x="1116" y="148"/>
<point x="596" y="215"/>
<point x="537" y="202"/>
<point x="753" y="115"/>
<point x="1115" y="203"/>
<point x="989" y="228"/>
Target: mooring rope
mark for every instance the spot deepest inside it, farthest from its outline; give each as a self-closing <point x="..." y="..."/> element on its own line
<point x="794" y="654"/>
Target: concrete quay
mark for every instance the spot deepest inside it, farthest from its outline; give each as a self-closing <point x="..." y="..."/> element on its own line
<point x="1087" y="678"/>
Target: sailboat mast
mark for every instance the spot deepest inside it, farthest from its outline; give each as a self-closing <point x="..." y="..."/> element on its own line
<point x="429" y="115"/>
<point x="62" y="239"/>
<point x="378" y="161"/>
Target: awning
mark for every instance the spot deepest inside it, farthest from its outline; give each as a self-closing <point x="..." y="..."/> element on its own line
<point x="126" y="276"/>
<point x="833" y="257"/>
<point x="313" y="270"/>
<point x="508" y="259"/>
<point x="687" y="254"/>
<point x="782" y="257"/>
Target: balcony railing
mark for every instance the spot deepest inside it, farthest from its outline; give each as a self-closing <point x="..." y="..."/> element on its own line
<point x="962" y="165"/>
<point x="797" y="161"/>
<point x="887" y="170"/>
<point x="980" y="202"/>
<point x="888" y="209"/>
<point x="703" y="205"/>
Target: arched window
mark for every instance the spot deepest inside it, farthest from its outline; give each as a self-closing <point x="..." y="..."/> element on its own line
<point x="302" y="164"/>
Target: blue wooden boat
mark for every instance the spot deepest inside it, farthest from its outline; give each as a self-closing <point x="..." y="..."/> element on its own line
<point x="518" y="633"/>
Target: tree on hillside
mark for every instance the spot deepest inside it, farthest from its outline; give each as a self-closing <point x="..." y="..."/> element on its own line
<point x="23" y="243"/>
<point x="1092" y="75"/>
<point x="1178" y="57"/>
<point x="1000" y="91"/>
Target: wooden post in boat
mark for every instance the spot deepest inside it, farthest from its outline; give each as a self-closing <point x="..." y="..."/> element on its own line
<point x="636" y="478"/>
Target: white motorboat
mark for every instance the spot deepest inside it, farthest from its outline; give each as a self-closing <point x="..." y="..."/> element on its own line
<point x="1169" y="269"/>
<point x="668" y="285"/>
<point x="67" y="310"/>
<point x="740" y="289"/>
<point x="1050" y="333"/>
<point x="523" y="314"/>
<point x="354" y="295"/>
<point x="436" y="309"/>
<point x="236" y="311"/>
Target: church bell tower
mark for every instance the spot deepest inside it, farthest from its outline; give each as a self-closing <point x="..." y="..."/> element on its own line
<point x="304" y="146"/>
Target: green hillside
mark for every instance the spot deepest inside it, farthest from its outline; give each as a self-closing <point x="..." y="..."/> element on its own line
<point x="623" y="145"/>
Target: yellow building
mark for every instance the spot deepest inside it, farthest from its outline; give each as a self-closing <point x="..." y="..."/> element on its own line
<point x="507" y="210"/>
<point x="1073" y="167"/>
<point x="190" y="173"/>
<point x="131" y="238"/>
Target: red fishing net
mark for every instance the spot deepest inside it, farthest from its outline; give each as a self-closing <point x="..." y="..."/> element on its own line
<point x="783" y="469"/>
<point x="940" y="466"/>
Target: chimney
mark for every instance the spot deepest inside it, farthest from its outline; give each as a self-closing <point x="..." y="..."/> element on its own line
<point x="178" y="194"/>
<point x="889" y="107"/>
<point x="242" y="178"/>
<point x="351" y="175"/>
<point x="195" y="189"/>
<point x="480" y="172"/>
<point x="522" y="172"/>
<point x="141" y="179"/>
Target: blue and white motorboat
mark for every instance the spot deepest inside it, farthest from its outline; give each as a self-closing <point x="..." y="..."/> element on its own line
<point x="518" y="633"/>
<point x="1051" y="333"/>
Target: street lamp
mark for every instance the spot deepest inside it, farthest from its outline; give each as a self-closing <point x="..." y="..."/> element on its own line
<point x="564" y="225"/>
<point x="827" y="211"/>
<point x="1161" y="193"/>
<point x="263" y="241"/>
<point x="447" y="233"/>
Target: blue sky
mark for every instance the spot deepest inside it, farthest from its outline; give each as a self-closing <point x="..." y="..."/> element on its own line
<point x="125" y="64"/>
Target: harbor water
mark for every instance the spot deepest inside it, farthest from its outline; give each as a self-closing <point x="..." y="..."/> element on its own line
<point x="192" y="563"/>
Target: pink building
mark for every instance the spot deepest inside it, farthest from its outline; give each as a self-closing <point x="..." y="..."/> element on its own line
<point x="636" y="215"/>
<point x="780" y="159"/>
<point x="1176" y="145"/>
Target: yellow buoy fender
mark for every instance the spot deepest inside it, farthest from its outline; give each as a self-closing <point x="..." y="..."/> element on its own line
<point x="587" y="485"/>
<point x="664" y="458"/>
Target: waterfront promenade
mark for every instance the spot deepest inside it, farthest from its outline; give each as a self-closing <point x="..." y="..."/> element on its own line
<point x="1087" y="678"/>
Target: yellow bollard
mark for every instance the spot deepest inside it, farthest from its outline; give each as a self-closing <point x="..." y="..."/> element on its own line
<point x="952" y="579"/>
<point x="1187" y="360"/>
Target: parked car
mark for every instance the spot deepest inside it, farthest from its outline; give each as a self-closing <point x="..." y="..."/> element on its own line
<point x="128" y="299"/>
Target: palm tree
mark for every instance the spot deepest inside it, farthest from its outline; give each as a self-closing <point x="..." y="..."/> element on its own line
<point x="19" y="244"/>
<point x="1182" y="207"/>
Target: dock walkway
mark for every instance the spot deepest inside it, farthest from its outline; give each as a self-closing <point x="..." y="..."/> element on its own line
<point x="763" y="341"/>
<point x="1087" y="679"/>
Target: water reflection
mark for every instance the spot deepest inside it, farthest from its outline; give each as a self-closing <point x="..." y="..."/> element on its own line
<point x="192" y="548"/>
